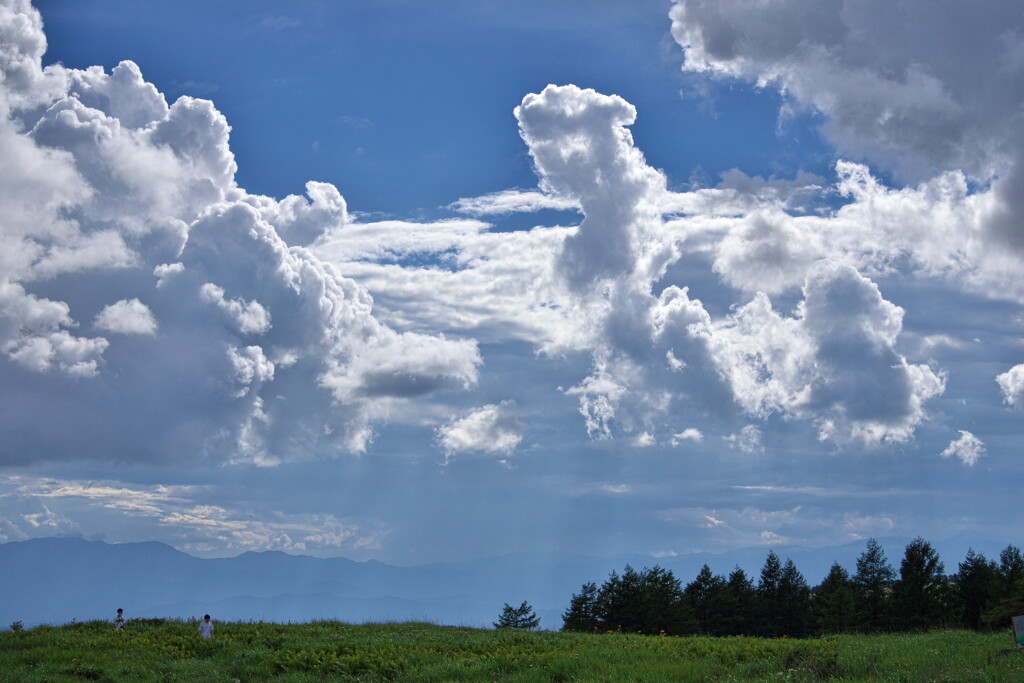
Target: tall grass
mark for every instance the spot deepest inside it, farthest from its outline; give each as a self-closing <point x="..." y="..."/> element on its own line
<point x="160" y="650"/>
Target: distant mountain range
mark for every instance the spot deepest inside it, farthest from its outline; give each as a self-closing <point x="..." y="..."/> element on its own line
<point x="56" y="580"/>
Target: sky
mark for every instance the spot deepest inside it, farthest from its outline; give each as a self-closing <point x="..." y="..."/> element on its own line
<point x="422" y="282"/>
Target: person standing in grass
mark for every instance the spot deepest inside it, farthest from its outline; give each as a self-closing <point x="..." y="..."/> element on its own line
<point x="206" y="627"/>
<point x="119" y="621"/>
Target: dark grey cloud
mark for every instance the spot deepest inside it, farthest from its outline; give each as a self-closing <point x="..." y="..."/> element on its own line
<point x="915" y="87"/>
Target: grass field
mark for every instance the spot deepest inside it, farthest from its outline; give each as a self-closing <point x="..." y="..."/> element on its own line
<point x="158" y="650"/>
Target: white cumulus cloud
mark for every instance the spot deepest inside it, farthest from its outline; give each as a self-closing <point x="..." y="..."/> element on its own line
<point x="1012" y="384"/>
<point x="834" y="362"/>
<point x="127" y="316"/>
<point x="228" y="339"/>
<point x="968" y="448"/>
<point x="492" y="429"/>
<point x="689" y="434"/>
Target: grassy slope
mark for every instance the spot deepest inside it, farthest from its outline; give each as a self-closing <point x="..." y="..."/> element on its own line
<point x="151" y="650"/>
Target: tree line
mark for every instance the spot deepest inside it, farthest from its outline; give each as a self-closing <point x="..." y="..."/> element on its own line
<point x="982" y="594"/>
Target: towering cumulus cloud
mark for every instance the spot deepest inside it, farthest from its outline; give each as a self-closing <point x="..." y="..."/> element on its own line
<point x="932" y="92"/>
<point x="582" y="149"/>
<point x="660" y="358"/>
<point x="151" y="309"/>
<point x="835" y="362"/>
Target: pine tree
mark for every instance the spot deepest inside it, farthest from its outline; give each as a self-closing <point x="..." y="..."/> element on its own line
<point x="714" y="611"/>
<point x="650" y="601"/>
<point x="794" y="601"/>
<point x="522" y="617"/>
<point x="582" y="613"/>
<point x="872" y="588"/>
<point x="976" y="588"/>
<point x="1011" y="570"/>
<point x="769" y="597"/>
<point x="743" y="601"/>
<point x="665" y="608"/>
<point x="618" y="605"/>
<point x="922" y="597"/>
<point x="834" y="607"/>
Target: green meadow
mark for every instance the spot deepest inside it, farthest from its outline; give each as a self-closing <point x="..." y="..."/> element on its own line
<point x="168" y="650"/>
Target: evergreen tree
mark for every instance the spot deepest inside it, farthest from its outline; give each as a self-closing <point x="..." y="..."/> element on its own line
<point x="922" y="597"/>
<point x="769" y="597"/>
<point x="1011" y="571"/>
<point x="834" y="607"/>
<point x="976" y="588"/>
<point x="522" y="617"/>
<point x="742" y="598"/>
<point x="664" y="606"/>
<point x="794" y="601"/>
<point x="872" y="587"/>
<point x="582" y="612"/>
<point x="709" y="596"/>
<point x="650" y="601"/>
<point x="618" y="604"/>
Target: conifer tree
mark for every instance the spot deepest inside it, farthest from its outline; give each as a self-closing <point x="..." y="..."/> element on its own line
<point x="522" y="617"/>
<point x="582" y="612"/>
<point x="1011" y="570"/>
<point x="714" y="611"/>
<point x="834" y="608"/>
<point x="976" y="588"/>
<point x="872" y="589"/>
<point x="770" y="597"/>
<point x="743" y="600"/>
<point x="794" y="601"/>
<point x="665" y="608"/>
<point x="922" y="596"/>
<point x="650" y="601"/>
<point x="618" y="605"/>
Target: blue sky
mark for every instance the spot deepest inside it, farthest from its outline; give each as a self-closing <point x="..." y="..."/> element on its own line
<point x="419" y="282"/>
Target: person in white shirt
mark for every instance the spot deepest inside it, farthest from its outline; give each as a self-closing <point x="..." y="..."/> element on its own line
<point x="119" y="621"/>
<point x="206" y="627"/>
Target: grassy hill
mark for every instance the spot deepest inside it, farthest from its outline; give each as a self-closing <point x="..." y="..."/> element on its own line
<point x="155" y="649"/>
